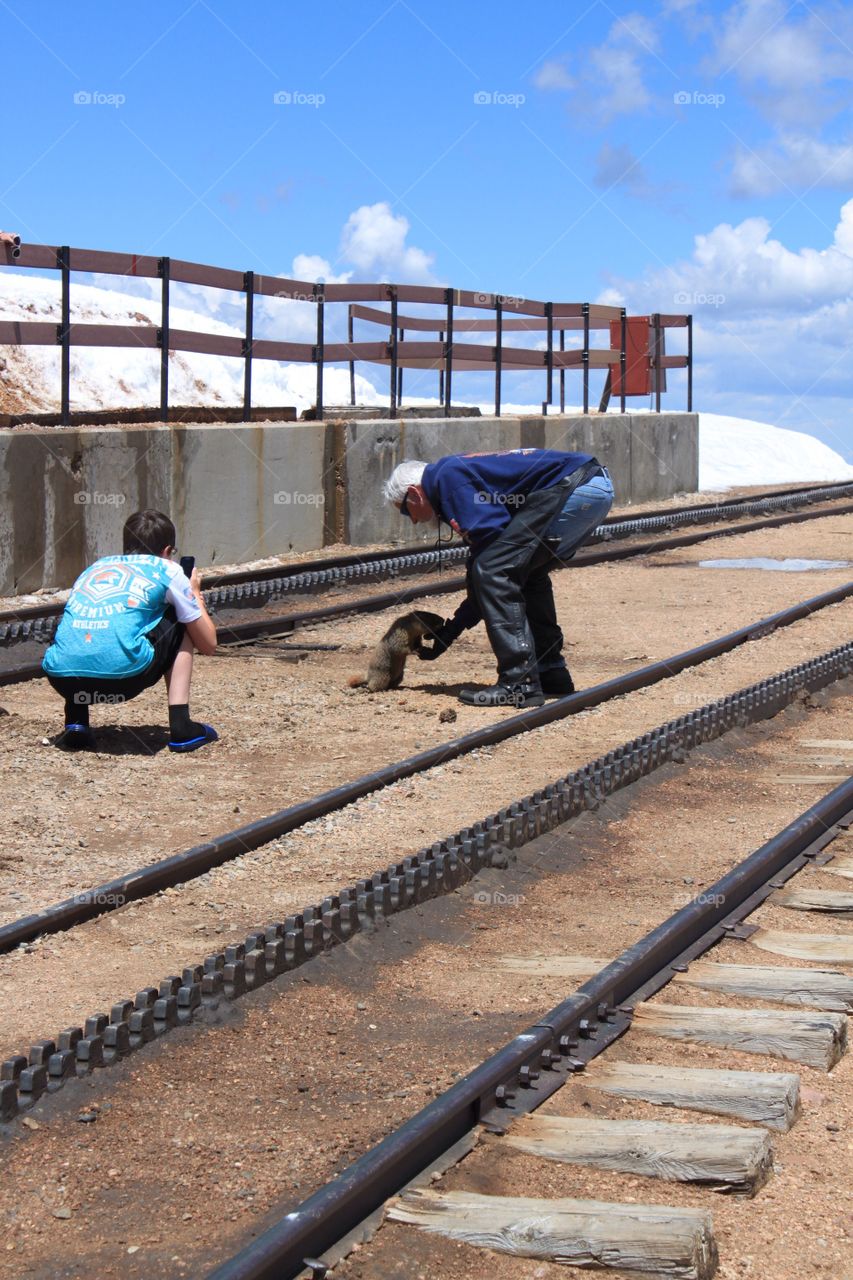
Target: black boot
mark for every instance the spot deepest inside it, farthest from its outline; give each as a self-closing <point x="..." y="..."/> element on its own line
<point x="524" y="694"/>
<point x="556" y="683"/>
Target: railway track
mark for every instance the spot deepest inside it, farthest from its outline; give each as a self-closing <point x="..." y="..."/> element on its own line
<point x="278" y="947"/>
<point x="491" y="1112"/>
<point x="229" y="593"/>
<point x="180" y="867"/>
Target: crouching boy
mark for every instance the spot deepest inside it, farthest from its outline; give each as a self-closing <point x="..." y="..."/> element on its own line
<point x="130" y="620"/>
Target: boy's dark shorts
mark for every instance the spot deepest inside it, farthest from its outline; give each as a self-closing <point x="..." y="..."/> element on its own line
<point x="166" y="638"/>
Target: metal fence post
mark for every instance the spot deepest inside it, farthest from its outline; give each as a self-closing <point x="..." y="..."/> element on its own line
<point x="586" y="357"/>
<point x="657" y="330"/>
<point x="441" y="370"/>
<point x="562" y="373"/>
<point x="392" y="397"/>
<point x="689" y="364"/>
<point x="623" y="358"/>
<point x="350" y="332"/>
<point x="499" y="337"/>
<point x="63" y="334"/>
<point x="319" y="350"/>
<point x="400" y="374"/>
<point x="163" y="265"/>
<point x="448" y="354"/>
<point x="248" y="343"/>
<point x="549" y="357"/>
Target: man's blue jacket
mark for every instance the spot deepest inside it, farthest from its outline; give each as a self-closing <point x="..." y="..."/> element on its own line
<point x="479" y="493"/>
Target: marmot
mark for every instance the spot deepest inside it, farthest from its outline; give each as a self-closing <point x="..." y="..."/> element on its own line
<point x="403" y="637"/>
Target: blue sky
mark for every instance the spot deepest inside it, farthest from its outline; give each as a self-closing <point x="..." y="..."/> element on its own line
<point x="678" y="155"/>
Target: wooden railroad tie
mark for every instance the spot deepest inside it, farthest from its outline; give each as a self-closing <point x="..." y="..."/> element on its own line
<point x="652" y="1239"/>
<point x="725" y="1157"/>
<point x="769" y="1098"/>
<point x="810" y="988"/>
<point x="840" y="867"/>
<point x="813" y="900"/>
<point x="828" y="948"/>
<point x="815" y="1038"/>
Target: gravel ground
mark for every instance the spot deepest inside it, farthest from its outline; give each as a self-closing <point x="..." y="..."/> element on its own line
<point x="233" y="1136"/>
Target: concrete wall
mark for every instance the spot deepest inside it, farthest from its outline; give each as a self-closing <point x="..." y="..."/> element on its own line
<point x="243" y="492"/>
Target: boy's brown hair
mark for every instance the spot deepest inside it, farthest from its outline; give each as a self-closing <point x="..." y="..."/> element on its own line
<point x="148" y="533"/>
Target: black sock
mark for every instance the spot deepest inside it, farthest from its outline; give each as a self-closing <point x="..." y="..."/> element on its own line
<point x="181" y="727"/>
<point x="76" y="712"/>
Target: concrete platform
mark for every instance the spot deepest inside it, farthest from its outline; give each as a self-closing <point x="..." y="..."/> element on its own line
<point x="243" y="491"/>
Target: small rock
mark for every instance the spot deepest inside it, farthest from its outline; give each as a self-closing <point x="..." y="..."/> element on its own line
<point x="30" y="1123"/>
<point x="361" y="1005"/>
<point x="832" y="1127"/>
<point x="447" y="716"/>
<point x="62" y="1213"/>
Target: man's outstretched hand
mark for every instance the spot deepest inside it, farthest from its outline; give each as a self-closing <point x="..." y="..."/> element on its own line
<point x="441" y="639"/>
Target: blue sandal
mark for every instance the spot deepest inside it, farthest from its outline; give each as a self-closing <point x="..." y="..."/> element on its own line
<point x="193" y="744"/>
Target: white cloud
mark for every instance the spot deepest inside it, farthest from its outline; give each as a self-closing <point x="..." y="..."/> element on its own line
<point x="310" y="266"/>
<point x="787" y="57"/>
<point x="794" y="162"/>
<point x="374" y="240"/>
<point x="553" y="75"/>
<point x="611" y="82"/>
<point x="771" y="323"/>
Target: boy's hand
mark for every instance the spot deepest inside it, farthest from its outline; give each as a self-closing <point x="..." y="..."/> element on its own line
<point x="195" y="582"/>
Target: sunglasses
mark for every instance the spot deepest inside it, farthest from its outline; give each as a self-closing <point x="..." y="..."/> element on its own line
<point x="404" y="505"/>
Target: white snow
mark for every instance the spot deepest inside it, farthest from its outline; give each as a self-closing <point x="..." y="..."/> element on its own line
<point x="732" y="451"/>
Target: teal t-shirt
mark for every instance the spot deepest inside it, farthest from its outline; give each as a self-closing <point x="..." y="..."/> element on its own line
<point x="112" y="607"/>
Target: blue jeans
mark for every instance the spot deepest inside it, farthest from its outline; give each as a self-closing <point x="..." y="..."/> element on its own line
<point x="585" y="508"/>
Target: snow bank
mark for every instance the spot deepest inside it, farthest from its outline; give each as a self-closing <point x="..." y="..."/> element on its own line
<point x="737" y="451"/>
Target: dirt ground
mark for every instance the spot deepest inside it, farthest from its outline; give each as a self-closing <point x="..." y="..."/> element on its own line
<point x="214" y="1121"/>
<point x="288" y="731"/>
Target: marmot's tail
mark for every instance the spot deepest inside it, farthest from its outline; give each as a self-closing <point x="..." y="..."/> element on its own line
<point x="357" y="682"/>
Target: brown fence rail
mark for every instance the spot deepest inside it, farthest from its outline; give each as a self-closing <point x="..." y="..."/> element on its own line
<point x="445" y="354"/>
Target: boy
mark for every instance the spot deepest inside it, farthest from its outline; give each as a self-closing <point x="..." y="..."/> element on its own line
<point x="129" y="620"/>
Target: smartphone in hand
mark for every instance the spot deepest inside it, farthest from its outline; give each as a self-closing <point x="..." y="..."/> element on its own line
<point x="188" y="564"/>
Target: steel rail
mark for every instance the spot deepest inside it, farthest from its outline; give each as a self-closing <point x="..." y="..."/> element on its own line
<point x="545" y="1049"/>
<point x="251" y="588"/>
<point x="282" y="946"/>
<point x="193" y="862"/>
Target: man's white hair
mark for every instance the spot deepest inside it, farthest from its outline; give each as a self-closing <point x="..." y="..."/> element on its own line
<point x="401" y="479"/>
